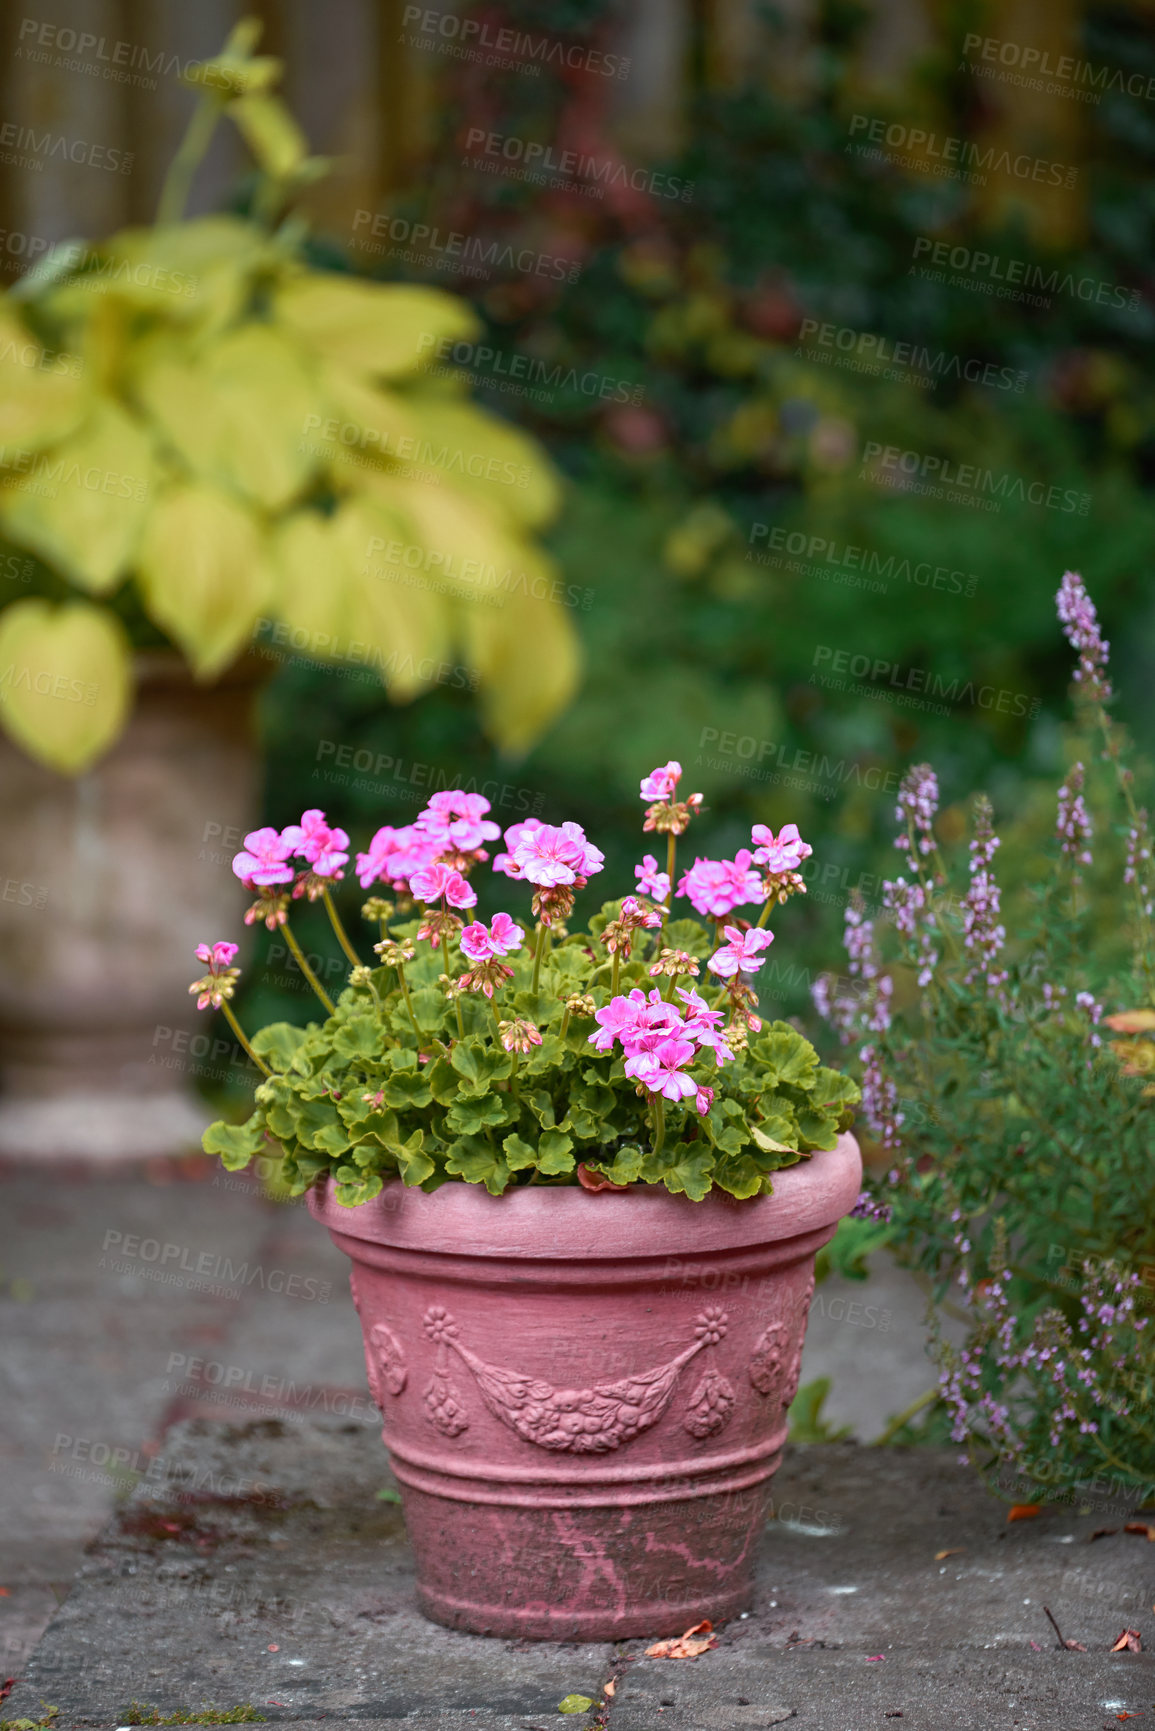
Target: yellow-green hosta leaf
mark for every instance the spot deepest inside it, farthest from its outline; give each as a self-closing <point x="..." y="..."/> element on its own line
<point x="191" y="273"/>
<point x="330" y="590"/>
<point x="270" y="132"/>
<point x="453" y="543"/>
<point x="356" y="427"/>
<point x="204" y="573"/>
<point x="384" y="330"/>
<point x="43" y="396"/>
<point x="65" y="681"/>
<point x="82" y="504"/>
<point x="528" y="656"/>
<point x="236" y="413"/>
<point x="486" y="458"/>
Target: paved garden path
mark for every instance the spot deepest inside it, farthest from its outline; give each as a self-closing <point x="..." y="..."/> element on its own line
<point x="161" y="1333"/>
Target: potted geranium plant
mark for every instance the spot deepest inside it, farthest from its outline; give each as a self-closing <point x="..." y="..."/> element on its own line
<point x="582" y="1185"/>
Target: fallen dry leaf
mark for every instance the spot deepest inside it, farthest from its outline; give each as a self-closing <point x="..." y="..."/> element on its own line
<point x="957" y="1552"/>
<point x="1129" y="1641"/>
<point x="1074" y="1646"/>
<point x="1023" y="1512"/>
<point x="1102" y="1533"/>
<point x="1131" y="1021"/>
<point x="1036" y="1646"/>
<point x="875" y="1658"/>
<point x="596" y="1180"/>
<point x="610" y="1689"/>
<point x="1144" y="1528"/>
<point x="683" y="1646"/>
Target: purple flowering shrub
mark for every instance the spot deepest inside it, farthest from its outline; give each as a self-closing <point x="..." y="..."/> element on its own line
<point x="1016" y="1132"/>
<point x="630" y="1052"/>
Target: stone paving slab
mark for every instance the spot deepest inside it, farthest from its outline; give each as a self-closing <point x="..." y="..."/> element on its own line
<point x="263" y="1568"/>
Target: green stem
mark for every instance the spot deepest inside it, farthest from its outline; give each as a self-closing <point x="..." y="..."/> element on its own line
<point x="456" y="999"/>
<point x="537" y="954"/>
<point x="338" y="927"/>
<point x="659" y="1108"/>
<point x="905" y="1417"/>
<point x="240" y="1034"/>
<point x="404" y="983"/>
<point x="671" y="852"/>
<point x="565" y="1023"/>
<point x="614" y="974"/>
<point x="190" y="155"/>
<point x="668" y="994"/>
<point x="299" y="957"/>
<point x="767" y="908"/>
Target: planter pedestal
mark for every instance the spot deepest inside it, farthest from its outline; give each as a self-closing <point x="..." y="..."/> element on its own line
<point x="108" y="881"/>
<point x="585" y="1395"/>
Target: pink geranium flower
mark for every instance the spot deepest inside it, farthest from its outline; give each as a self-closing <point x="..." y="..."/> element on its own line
<point x="438" y="880"/>
<point x="264" y="858"/>
<point x="661" y="784"/>
<point x="220" y="981"/>
<point x="742" y="953"/>
<point x="634" y="1020"/>
<point x="718" y="886"/>
<point x="394" y="855"/>
<point x="782" y="854"/>
<point x="651" y="881"/>
<point x="551" y="854"/>
<point x="640" y="913"/>
<point x="661" y="1069"/>
<point x="313" y="840"/>
<point x="456" y="822"/>
<point x="505" y="862"/>
<point x="481" y="943"/>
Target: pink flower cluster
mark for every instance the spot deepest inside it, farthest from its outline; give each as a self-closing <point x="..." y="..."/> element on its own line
<point x="549" y="855"/>
<point x="482" y="944"/>
<point x="264" y="859"/>
<point x="452" y="829"/>
<point x="659" y="1041"/>
<point x="1080" y="624"/>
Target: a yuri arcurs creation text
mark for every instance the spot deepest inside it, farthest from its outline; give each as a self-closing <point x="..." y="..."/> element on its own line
<point x="525" y="1051"/>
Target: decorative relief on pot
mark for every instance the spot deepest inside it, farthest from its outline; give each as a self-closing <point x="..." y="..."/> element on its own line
<point x="390" y="1358"/>
<point x="801" y="1314"/>
<point x="443" y="1403"/>
<point x="766" y="1363"/>
<point x="590" y="1420"/>
<point x="711" y="1406"/>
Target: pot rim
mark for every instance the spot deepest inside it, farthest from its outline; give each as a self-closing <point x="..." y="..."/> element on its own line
<point x="568" y="1223"/>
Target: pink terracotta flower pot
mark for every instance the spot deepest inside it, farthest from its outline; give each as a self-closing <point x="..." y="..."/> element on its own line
<point x="585" y="1394"/>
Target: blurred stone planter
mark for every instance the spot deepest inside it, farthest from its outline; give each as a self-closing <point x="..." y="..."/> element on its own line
<point x="585" y="1394"/>
<point x="107" y="883"/>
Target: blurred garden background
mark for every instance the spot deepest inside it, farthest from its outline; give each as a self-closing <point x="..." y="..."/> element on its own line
<point x="831" y="324"/>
